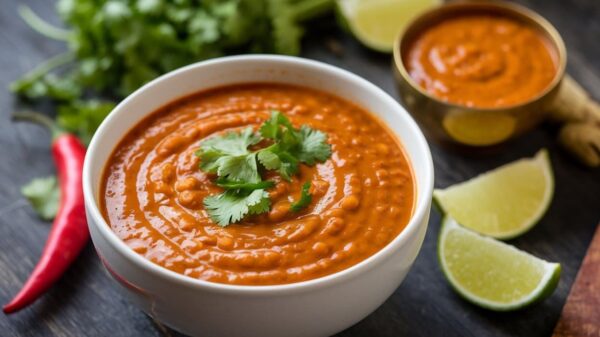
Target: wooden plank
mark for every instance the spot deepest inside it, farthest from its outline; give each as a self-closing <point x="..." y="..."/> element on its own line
<point x="581" y="314"/>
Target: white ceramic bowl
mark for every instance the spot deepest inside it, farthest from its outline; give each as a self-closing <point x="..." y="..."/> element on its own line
<point x="317" y="307"/>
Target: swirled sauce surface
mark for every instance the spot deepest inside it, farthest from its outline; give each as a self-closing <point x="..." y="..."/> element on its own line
<point x="482" y="61"/>
<point x="153" y="189"/>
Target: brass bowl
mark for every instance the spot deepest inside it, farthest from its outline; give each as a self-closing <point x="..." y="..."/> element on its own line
<point x="470" y="127"/>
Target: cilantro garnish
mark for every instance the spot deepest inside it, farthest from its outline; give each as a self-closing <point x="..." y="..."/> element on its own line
<point x="291" y="146"/>
<point x="238" y="168"/>
<point x="232" y="205"/>
<point x="228" y="156"/>
<point x="305" y="199"/>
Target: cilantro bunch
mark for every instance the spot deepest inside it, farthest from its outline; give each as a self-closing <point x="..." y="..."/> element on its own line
<point x="238" y="168"/>
<point x="119" y="45"/>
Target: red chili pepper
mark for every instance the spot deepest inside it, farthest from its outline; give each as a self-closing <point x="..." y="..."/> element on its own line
<point x="69" y="233"/>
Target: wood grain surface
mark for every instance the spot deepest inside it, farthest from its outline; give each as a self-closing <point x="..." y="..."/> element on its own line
<point x="581" y="313"/>
<point x="86" y="302"/>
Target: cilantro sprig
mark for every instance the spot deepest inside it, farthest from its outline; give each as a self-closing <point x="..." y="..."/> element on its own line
<point x="238" y="168"/>
<point x="291" y="146"/>
<point x="232" y="205"/>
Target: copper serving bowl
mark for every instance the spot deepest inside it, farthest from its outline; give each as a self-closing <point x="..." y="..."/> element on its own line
<point x="471" y="127"/>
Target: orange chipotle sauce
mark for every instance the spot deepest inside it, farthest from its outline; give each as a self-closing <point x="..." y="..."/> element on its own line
<point x="153" y="190"/>
<point x="482" y="61"/>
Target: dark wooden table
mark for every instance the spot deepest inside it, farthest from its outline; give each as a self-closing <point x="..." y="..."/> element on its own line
<point x="86" y="301"/>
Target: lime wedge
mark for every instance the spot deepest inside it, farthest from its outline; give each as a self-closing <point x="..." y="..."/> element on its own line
<point x="504" y="202"/>
<point x="377" y="23"/>
<point x="493" y="274"/>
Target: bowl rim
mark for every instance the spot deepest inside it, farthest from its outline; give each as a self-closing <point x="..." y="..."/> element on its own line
<point x="418" y="218"/>
<point x="537" y="20"/>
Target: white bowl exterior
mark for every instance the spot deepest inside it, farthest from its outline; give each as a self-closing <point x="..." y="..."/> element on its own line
<point x="318" y="307"/>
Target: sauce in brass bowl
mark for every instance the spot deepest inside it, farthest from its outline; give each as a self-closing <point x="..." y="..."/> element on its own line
<point x="476" y="74"/>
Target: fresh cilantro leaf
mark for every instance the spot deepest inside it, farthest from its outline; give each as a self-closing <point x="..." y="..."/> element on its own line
<point x="271" y="127"/>
<point x="240" y="168"/>
<point x="44" y="195"/>
<point x="289" y="165"/>
<point x="239" y="185"/>
<point x="232" y="205"/>
<point x="40" y="83"/>
<point x="287" y="34"/>
<point x="204" y="27"/>
<point x="63" y="89"/>
<point x="263" y="204"/>
<point x="229" y="157"/>
<point x="83" y="117"/>
<point x="286" y="18"/>
<point x="209" y="159"/>
<point x="269" y="159"/>
<point x="292" y="145"/>
<point x="305" y="199"/>
<point x="275" y="158"/>
<point x="232" y="143"/>
<point x="313" y="146"/>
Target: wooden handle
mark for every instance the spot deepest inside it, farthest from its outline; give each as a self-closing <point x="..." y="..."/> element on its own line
<point x="581" y="313"/>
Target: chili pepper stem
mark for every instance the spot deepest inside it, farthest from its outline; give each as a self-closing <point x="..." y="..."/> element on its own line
<point x="40" y="119"/>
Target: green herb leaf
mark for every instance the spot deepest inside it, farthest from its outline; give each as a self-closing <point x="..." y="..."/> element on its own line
<point x="232" y="143"/>
<point x="305" y="199"/>
<point x="40" y="82"/>
<point x="240" y="168"/>
<point x="263" y="204"/>
<point x="289" y="164"/>
<point x="274" y="158"/>
<point x="271" y="127"/>
<point x="313" y="146"/>
<point x="229" y="157"/>
<point x="83" y="117"/>
<point x="232" y="205"/>
<point x="269" y="159"/>
<point x="222" y="150"/>
<point x="44" y="196"/>
<point x="292" y="145"/>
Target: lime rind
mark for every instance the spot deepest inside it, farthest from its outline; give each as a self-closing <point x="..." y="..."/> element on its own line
<point x="392" y="17"/>
<point x="545" y="287"/>
<point x="542" y="159"/>
<point x="345" y="14"/>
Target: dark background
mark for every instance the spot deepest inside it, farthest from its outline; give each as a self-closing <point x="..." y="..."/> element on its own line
<point x="85" y="302"/>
